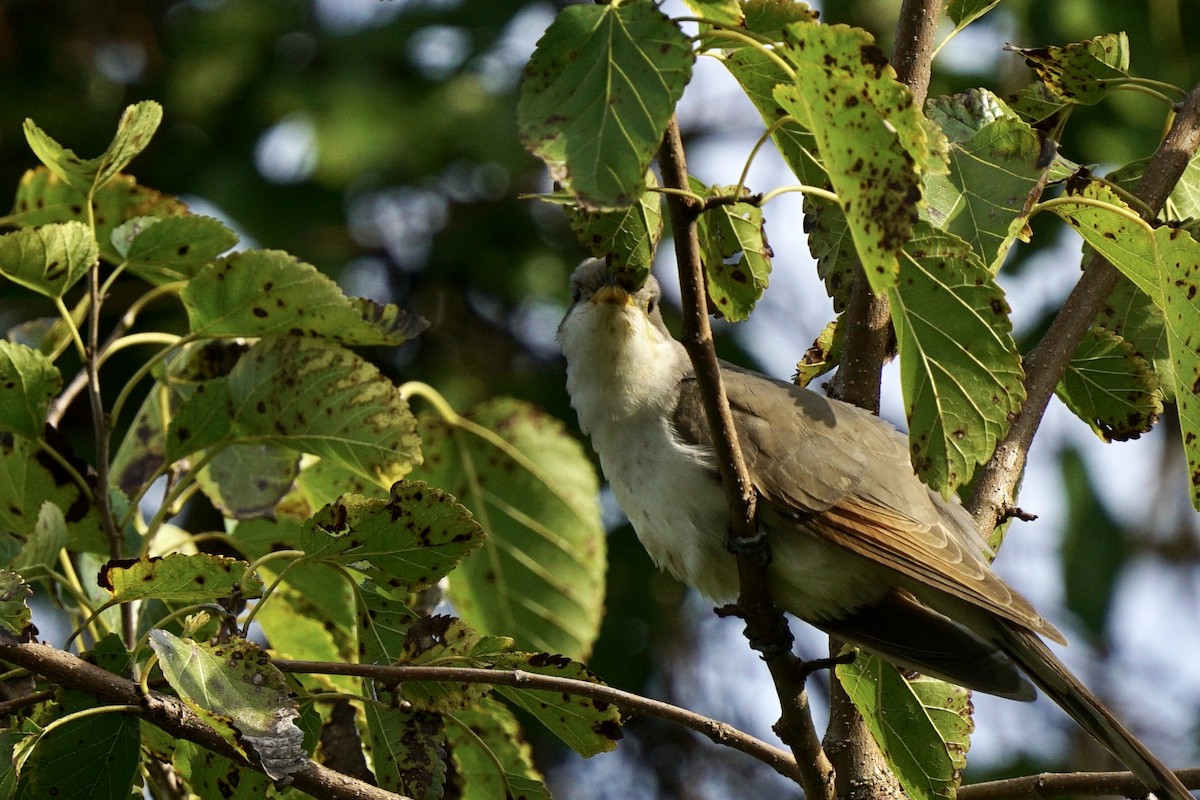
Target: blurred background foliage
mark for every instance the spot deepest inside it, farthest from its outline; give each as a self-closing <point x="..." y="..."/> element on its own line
<point x="377" y="141"/>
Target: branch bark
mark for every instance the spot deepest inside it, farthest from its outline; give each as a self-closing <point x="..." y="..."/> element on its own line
<point x="172" y="716"/>
<point x="1051" y="785"/>
<point x="995" y="490"/>
<point x="766" y="627"/>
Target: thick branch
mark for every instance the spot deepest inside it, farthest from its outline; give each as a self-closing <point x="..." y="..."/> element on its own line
<point x="1051" y="785"/>
<point x="719" y="732"/>
<point x="995" y="492"/>
<point x="765" y="624"/>
<point x="172" y="716"/>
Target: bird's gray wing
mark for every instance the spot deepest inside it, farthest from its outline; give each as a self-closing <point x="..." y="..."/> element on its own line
<point x="845" y="476"/>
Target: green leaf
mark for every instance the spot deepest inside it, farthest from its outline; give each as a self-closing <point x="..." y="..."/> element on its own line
<point x="40" y="554"/>
<point x="134" y="131"/>
<point x="831" y="244"/>
<point x="1184" y="201"/>
<point x="586" y="725"/>
<point x="269" y="292"/>
<point x="383" y="625"/>
<point x="597" y="94"/>
<point x="734" y="251"/>
<point x="725" y="12"/>
<point x="28" y="382"/>
<point x="165" y="249"/>
<point x="869" y="136"/>
<point x="43" y="197"/>
<point x="540" y="576"/>
<point x="1094" y="549"/>
<point x="960" y="372"/>
<point x="446" y="642"/>
<point x="1081" y="72"/>
<point x="49" y="259"/>
<point x="770" y="17"/>
<point x="209" y="775"/>
<point x="997" y="170"/>
<point x="913" y="727"/>
<point x="14" y="611"/>
<point x="1111" y="388"/>
<point x="492" y="756"/>
<point x="181" y="578"/>
<point x="824" y="355"/>
<point x="236" y="690"/>
<point x="247" y="480"/>
<point x="29" y="478"/>
<point x="307" y="395"/>
<point x="409" y="541"/>
<point x="964" y="12"/>
<point x="407" y="751"/>
<point x="628" y="238"/>
<point x="1129" y="313"/>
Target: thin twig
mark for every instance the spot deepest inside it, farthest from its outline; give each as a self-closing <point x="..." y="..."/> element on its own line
<point x="995" y="490"/>
<point x="765" y="624"/>
<point x="1050" y="785"/>
<point x="719" y="732"/>
<point x="172" y="716"/>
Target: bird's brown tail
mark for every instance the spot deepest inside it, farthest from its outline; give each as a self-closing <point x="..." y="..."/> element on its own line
<point x="1052" y="677"/>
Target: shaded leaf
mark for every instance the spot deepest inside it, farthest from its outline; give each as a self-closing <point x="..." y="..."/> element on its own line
<point x="410" y="540"/>
<point x="1081" y="72"/>
<point x="734" y="251"/>
<point x="627" y="239"/>
<point x="923" y="734"/>
<point x="830" y="243"/>
<point x="40" y="553"/>
<point x="28" y="382"/>
<point x="408" y="749"/>
<point x="964" y="12"/>
<point x="308" y="395"/>
<point x="824" y="355"/>
<point x="269" y="292"/>
<point x="178" y="577"/>
<point x="30" y="477"/>
<point x="48" y="259"/>
<point x="446" y="642"/>
<point x="236" y="690"/>
<point x="163" y="249"/>
<point x="540" y="576"/>
<point x="1111" y="388"/>
<point x="597" y="94"/>
<point x="1184" y="201"/>
<point x="247" y="480"/>
<point x="492" y="756"/>
<point x="14" y="611"/>
<point x="770" y="17"/>
<point x="134" y="131"/>
<point x="960" y="372"/>
<point x="210" y="775"/>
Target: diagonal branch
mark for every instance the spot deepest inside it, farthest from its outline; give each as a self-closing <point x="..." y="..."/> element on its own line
<point x="995" y="492"/>
<point x="1050" y="785"/>
<point x="765" y="624"/>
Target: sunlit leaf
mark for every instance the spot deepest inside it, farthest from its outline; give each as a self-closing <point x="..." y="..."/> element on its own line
<point x="269" y="292"/>
<point x="1081" y="72"/>
<point x="28" y="382"/>
<point x="40" y="553"/>
<point x="134" y="131"/>
<point x="194" y="578"/>
<point x="540" y="576"/>
<point x="491" y="754"/>
<point x="597" y="94"/>
<point x="1111" y="388"/>
<point x="48" y="259"/>
<point x="238" y="692"/>
<point x="162" y="249"/>
<point x="1129" y="313"/>
<point x="1184" y="201"/>
<point x="824" y="355"/>
<point x="960" y="372"/>
<point x="734" y="251"/>
<point x="923" y="733"/>
<point x="726" y="12"/>
<point x="628" y="238"/>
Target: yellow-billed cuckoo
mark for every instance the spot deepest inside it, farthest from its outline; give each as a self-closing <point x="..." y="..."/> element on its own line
<point x="859" y="546"/>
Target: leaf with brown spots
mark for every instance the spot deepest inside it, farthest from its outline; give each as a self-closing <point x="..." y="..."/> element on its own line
<point x="540" y="576"/>
<point x="49" y="259"/>
<point x="307" y="395"/>
<point x="247" y="480"/>
<point x="134" y="131"/>
<point x="491" y="754"/>
<point x="237" y="691"/>
<point x="28" y="382"/>
<point x="178" y="577"/>
<point x="39" y="557"/>
<point x="960" y="372"/>
<point x="408" y="541"/>
<point x="1131" y="314"/>
<point x="1081" y="72"/>
<point x="626" y="239"/>
<point x="210" y="775"/>
<point x="597" y="94"/>
<point x="164" y="249"/>
<point x="824" y="355"/>
<point x="408" y="751"/>
<point x="29" y="477"/>
<point x="734" y="251"/>
<point x="15" y="617"/>
<point x="1111" y="388"/>
<point x="586" y="725"/>
<point x="923" y="726"/>
<point x="271" y="293"/>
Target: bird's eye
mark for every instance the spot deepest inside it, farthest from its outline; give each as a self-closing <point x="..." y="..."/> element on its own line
<point x="576" y="294"/>
<point x="651" y="304"/>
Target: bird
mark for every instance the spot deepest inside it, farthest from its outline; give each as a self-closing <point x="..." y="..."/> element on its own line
<point x="859" y="546"/>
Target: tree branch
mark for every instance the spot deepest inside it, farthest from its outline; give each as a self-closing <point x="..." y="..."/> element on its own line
<point x="172" y="716"/>
<point x="995" y="490"/>
<point x="1050" y="785"/>
<point x="766" y="627"/>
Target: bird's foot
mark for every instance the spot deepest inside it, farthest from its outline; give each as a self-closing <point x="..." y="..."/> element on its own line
<point x="756" y="545"/>
<point x="817" y="664"/>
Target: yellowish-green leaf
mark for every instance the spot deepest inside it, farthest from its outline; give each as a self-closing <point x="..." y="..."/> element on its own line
<point x="48" y="259"/>
<point x="173" y="248"/>
<point x="196" y="578"/>
<point x="247" y="480"/>
<point x="922" y="729"/>
<point x="540" y="577"/>
<point x="1081" y="72"/>
<point x="626" y="239"/>
<point x="407" y="750"/>
<point x="28" y="382"/>
<point x="134" y="131"/>
<point x="960" y="372"/>
<point x="493" y="756"/>
<point x="1111" y="388"/>
<point x="1129" y="313"/>
<point x="236" y="690"/>
<point x="734" y="251"/>
<point x="824" y="355"/>
<point x="209" y="775"/>
<point x="597" y="94"/>
<point x="40" y="554"/>
<point x="725" y="12"/>
<point x="14" y="610"/>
